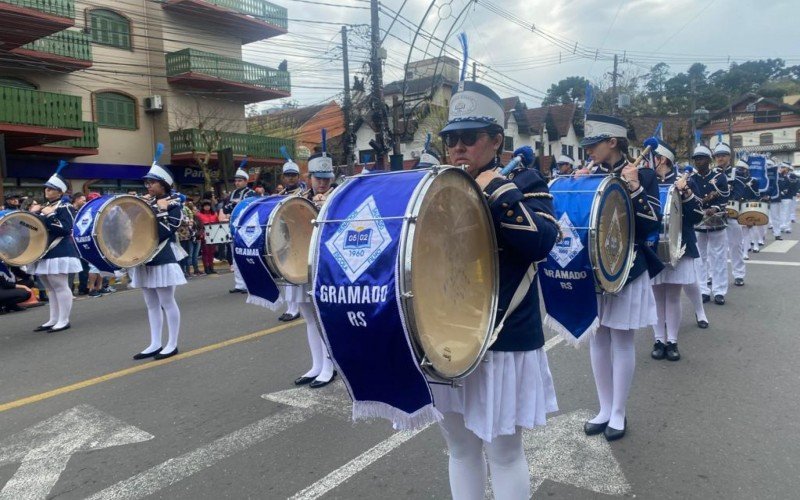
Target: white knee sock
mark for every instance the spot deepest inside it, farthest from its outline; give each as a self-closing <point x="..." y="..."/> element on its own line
<point x="692" y="291"/>
<point x="600" y="354"/>
<point x="292" y="308"/>
<point x="467" y="465"/>
<point x="659" y="329"/>
<point x="508" y="467"/>
<point x="52" y="300"/>
<point x="315" y="343"/>
<point x="166" y="298"/>
<point x="624" y="363"/>
<point x="672" y="310"/>
<point x="63" y="295"/>
<point x="154" y="316"/>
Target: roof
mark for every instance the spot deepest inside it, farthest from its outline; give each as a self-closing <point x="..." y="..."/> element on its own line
<point x="750" y="97"/>
<point x="296" y="116"/>
<point x="536" y="117"/>
<point x="417" y="85"/>
<point x="562" y="116"/>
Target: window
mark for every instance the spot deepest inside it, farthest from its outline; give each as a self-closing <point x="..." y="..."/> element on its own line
<point x="114" y="110"/>
<point x="17" y="83"/>
<point x="538" y="146"/>
<point x="110" y="28"/>
<point x="564" y="149"/>
<point x="765" y="139"/>
<point x="508" y="144"/>
<point x="737" y="141"/>
<point x="768" y="116"/>
<point x="570" y="151"/>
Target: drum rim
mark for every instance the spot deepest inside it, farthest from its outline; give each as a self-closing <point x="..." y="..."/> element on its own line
<point x="594" y="244"/>
<point x="268" y="257"/>
<point x="404" y="283"/>
<point x="95" y="239"/>
<point x="18" y="263"/>
<point x="675" y="253"/>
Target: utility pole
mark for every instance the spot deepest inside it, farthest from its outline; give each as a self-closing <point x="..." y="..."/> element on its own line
<point x="474" y="71"/>
<point x="692" y="118"/>
<point x="376" y="104"/>
<point x="730" y="130"/>
<point x="347" y="108"/>
<point x="395" y="125"/>
<point x="614" y="87"/>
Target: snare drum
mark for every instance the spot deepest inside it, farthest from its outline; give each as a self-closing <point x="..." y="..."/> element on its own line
<point x="754" y="213"/>
<point x="23" y="238"/>
<point x="733" y="209"/>
<point x="670" y="240"/>
<point x="405" y="282"/>
<point x="115" y="232"/>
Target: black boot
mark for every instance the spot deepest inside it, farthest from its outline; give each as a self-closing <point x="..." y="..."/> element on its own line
<point x="659" y="350"/>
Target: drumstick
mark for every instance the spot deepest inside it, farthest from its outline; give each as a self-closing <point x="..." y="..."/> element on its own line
<point x="641" y="156"/>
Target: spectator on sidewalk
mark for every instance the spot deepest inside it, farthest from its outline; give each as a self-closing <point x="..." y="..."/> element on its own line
<point x="11" y="294"/>
<point x="207" y="215"/>
<point x="187" y="234"/>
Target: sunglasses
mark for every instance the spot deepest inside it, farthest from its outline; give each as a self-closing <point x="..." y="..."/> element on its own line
<point x="467" y="137"/>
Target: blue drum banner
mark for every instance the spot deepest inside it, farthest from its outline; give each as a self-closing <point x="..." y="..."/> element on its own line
<point x="758" y="170"/>
<point x="566" y="277"/>
<point x="356" y="298"/>
<point x="249" y="249"/>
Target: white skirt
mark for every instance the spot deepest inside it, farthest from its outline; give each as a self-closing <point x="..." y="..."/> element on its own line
<point x="156" y="276"/>
<point x="633" y="308"/>
<point x="55" y="265"/>
<point x="506" y="391"/>
<point x="683" y="274"/>
<point x="295" y="293"/>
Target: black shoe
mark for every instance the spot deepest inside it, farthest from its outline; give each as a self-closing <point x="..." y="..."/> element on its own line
<point x="15" y="308"/>
<point x="304" y="380"/>
<point x="284" y="317"/>
<point x="672" y="351"/>
<point x="708" y="282"/>
<point x="234" y="290"/>
<point x="594" y="429"/>
<point x="701" y="322"/>
<point x="162" y="355"/>
<point x="719" y="300"/>
<point x="779" y="238"/>
<point x="613" y="434"/>
<point x="706" y="298"/>
<point x="738" y="281"/>
<point x="316" y="384"/>
<point x="142" y="355"/>
<point x="65" y="327"/>
<point x="42" y="328"/>
<point x="659" y="350"/>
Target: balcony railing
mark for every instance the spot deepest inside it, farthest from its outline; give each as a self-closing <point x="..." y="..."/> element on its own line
<point x="70" y="44"/>
<point x="61" y="8"/>
<point x="228" y="69"/>
<point x="271" y="13"/>
<point x="254" y="146"/>
<point x="36" y="108"/>
<point x="89" y="139"/>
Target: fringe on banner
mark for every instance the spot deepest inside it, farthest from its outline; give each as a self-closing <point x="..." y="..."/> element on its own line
<point x="560" y="330"/>
<point x="401" y="421"/>
<point x="258" y="301"/>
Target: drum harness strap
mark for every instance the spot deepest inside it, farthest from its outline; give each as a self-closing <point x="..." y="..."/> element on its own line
<point x="516" y="300"/>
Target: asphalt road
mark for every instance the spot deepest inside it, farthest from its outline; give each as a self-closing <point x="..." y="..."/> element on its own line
<point x="80" y="419"/>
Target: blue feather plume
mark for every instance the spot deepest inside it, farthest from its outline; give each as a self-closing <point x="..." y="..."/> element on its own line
<point x="62" y="164"/>
<point x="698" y="136"/>
<point x="588" y="99"/>
<point x="324" y="141"/>
<point x="719" y="136"/>
<point x="658" y="131"/>
<point x="462" y="37"/>
<point x="244" y="162"/>
<point x="427" y="142"/>
<point x="285" y="153"/>
<point x="159" y="151"/>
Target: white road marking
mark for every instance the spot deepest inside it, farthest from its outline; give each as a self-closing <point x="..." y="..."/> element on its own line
<point x="782" y="246"/>
<point x="45" y="449"/>
<point x="179" y="468"/>
<point x="773" y="263"/>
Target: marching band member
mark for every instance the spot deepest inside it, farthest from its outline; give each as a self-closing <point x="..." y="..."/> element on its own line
<point x="61" y="257"/>
<point x="787" y="185"/>
<point x="751" y="233"/>
<point x="513" y="387"/>
<point x="711" y="186"/>
<point x="611" y="348"/>
<point x="737" y="190"/>
<point x="428" y="158"/>
<point x="320" y="171"/>
<point x="159" y="277"/>
<point x="241" y="192"/>
<point x="564" y="165"/>
<point x="773" y="195"/>
<point x="668" y="283"/>
<point x="292" y="185"/>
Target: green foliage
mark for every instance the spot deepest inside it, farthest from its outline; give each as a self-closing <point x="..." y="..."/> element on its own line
<point x="568" y="90"/>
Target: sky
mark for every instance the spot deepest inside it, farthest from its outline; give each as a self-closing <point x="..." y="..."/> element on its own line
<point x="523" y="61"/>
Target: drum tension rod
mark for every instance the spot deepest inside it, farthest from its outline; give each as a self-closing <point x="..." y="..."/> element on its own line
<point x="408" y="295"/>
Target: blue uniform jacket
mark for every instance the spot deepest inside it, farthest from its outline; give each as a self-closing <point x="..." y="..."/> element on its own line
<point x="787" y="186"/>
<point x="739" y="185"/>
<point x="712" y="190"/>
<point x="235" y="197"/>
<point x="59" y="225"/>
<point x="522" y="211"/>
<point x="647" y="213"/>
<point x="168" y="221"/>
<point x="771" y="192"/>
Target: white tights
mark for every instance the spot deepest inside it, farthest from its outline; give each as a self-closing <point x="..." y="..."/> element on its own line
<point x="613" y="362"/>
<point x="668" y="307"/>
<point x="507" y="463"/>
<point x="158" y="299"/>
<point x="321" y="364"/>
<point x="60" y="297"/>
<point x="292" y="308"/>
<point x="695" y="297"/>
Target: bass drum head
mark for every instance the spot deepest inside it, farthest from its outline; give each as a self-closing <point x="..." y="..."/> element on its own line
<point x="452" y="276"/>
<point x="674" y="226"/>
<point x="126" y="231"/>
<point x="611" y="235"/>
<point x="754" y="213"/>
<point x="23" y="238"/>
<point x="289" y="239"/>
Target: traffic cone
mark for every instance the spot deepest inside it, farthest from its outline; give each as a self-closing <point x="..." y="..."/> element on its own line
<point x="32" y="300"/>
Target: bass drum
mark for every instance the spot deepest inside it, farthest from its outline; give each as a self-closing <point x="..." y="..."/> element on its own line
<point x="116" y="232"/>
<point x="670" y="240"/>
<point x="23" y="238"/>
<point x="238" y="210"/>
<point x="754" y="213"/>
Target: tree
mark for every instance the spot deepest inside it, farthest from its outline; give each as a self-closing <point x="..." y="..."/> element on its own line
<point x="567" y="91"/>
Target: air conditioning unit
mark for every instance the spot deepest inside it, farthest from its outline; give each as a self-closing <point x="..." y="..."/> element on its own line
<point x="153" y="103"/>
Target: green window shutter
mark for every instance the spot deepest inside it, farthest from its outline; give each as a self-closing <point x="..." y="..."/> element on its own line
<point x="115" y="111"/>
<point x="16" y="83"/>
<point x="109" y="28"/>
